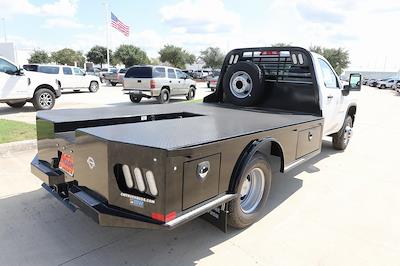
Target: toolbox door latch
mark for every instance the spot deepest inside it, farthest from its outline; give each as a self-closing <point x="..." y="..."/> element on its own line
<point x="203" y="169"/>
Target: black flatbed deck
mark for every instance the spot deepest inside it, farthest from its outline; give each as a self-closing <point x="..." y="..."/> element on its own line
<point x="205" y="123"/>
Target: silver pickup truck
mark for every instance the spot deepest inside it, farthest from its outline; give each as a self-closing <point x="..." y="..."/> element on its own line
<point x="157" y="81"/>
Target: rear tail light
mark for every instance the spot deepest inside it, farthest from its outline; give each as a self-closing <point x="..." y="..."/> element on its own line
<point x="152" y="84"/>
<point x="151" y="182"/>
<point x="127" y="176"/>
<point x="139" y="179"/>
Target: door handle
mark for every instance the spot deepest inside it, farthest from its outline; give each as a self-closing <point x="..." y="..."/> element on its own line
<point x="170" y="81"/>
<point x="330" y="97"/>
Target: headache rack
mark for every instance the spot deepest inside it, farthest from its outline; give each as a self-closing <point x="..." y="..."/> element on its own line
<point x="290" y="82"/>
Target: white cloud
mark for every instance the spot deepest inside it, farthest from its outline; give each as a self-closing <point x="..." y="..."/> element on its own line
<point x="63" y="8"/>
<point x="63" y="23"/>
<point x="200" y="16"/>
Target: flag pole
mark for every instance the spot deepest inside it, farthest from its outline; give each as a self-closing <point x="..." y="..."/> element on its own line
<point x="107" y="32"/>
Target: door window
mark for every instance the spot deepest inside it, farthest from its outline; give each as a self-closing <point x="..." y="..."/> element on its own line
<point x="171" y="74"/>
<point x="67" y="71"/>
<point x="328" y="75"/>
<point x="7" y="67"/>
<point x="78" y="71"/>
<point x="48" y="69"/>
<point x="159" y="72"/>
<point x="180" y="74"/>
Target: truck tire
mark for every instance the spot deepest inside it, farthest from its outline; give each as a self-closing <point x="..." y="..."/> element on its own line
<point x="43" y="99"/>
<point x="191" y="94"/>
<point x="244" y="84"/>
<point x="341" y="139"/>
<point x="382" y="86"/>
<point x="113" y="84"/>
<point x="253" y="188"/>
<point x="94" y="86"/>
<point x="16" y="104"/>
<point x="164" y="96"/>
<point x="135" y="99"/>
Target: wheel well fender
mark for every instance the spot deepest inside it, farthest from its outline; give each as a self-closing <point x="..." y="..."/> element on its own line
<point x="166" y="87"/>
<point x="45" y="86"/>
<point x="351" y="111"/>
<point x="267" y="146"/>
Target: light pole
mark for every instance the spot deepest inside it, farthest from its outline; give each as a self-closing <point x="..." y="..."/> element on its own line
<point x="4" y="29"/>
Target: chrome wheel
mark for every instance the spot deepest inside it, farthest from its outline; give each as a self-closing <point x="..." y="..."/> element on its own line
<point x="45" y="100"/>
<point x="94" y="87"/>
<point x="348" y="131"/>
<point x="252" y="190"/>
<point x="241" y="84"/>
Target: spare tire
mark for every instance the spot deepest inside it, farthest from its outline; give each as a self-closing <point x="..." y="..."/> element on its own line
<point x="244" y="84"/>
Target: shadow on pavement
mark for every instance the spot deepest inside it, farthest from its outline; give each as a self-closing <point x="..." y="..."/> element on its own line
<point x="37" y="229"/>
<point x="9" y="110"/>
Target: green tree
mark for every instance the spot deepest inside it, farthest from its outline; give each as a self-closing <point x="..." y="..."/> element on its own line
<point x="176" y="56"/>
<point x="213" y="57"/>
<point x="98" y="55"/>
<point x="39" y="57"/>
<point x="337" y="57"/>
<point x="130" y="55"/>
<point x="69" y="57"/>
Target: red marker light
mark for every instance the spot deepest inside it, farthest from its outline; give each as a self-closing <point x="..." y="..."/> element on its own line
<point x="270" y="53"/>
<point x="160" y="217"/>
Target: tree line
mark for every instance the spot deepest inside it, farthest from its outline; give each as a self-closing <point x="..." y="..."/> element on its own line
<point x="130" y="55"/>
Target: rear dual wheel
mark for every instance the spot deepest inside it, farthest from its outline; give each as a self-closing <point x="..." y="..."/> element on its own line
<point x="253" y="189"/>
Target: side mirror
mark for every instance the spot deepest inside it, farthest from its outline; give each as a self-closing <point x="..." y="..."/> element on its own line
<point x="20" y="72"/>
<point x="354" y="84"/>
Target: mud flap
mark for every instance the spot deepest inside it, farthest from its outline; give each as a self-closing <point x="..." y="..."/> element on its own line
<point x="218" y="217"/>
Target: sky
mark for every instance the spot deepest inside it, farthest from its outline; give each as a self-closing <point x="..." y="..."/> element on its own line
<point x="366" y="28"/>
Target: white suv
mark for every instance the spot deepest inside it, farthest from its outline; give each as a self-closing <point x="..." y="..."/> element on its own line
<point x="17" y="87"/>
<point x="70" y="78"/>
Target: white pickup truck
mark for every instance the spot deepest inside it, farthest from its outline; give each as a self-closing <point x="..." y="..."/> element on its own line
<point x="17" y="87"/>
<point x="69" y="77"/>
<point x="159" y="167"/>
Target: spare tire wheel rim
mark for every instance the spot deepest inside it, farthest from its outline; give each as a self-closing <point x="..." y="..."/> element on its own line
<point x="241" y="84"/>
<point x="45" y="99"/>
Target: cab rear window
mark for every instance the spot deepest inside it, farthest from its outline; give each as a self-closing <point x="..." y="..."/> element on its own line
<point x="139" y="72"/>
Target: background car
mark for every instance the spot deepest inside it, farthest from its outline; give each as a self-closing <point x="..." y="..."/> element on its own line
<point x="386" y="83"/>
<point x="69" y="77"/>
<point x="160" y="82"/>
<point x="364" y="81"/>
<point x="372" y="82"/>
<point x="115" y="77"/>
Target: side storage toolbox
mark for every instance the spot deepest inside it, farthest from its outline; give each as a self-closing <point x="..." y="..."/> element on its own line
<point x="200" y="180"/>
<point x="308" y="140"/>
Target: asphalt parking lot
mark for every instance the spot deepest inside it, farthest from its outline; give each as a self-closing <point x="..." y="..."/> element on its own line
<point x="340" y="208"/>
<point x="106" y="96"/>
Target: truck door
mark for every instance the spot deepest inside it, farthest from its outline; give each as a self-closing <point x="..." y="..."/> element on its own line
<point x="80" y="80"/>
<point x="332" y="98"/>
<point x="12" y="85"/>
<point x="67" y="80"/>
<point x="183" y="83"/>
<point x="173" y="82"/>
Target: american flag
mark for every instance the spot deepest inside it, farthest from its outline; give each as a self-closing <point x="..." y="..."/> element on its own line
<point x="116" y="23"/>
